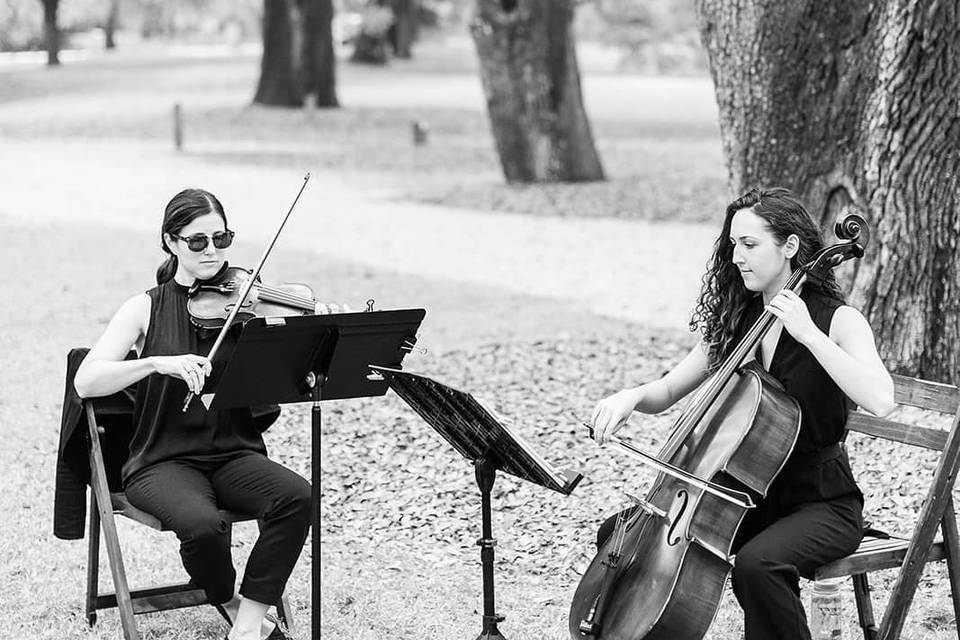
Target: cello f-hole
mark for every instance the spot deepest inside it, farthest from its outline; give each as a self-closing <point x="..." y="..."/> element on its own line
<point x="675" y="516"/>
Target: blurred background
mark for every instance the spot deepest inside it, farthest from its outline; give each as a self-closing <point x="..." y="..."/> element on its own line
<point x="547" y="183"/>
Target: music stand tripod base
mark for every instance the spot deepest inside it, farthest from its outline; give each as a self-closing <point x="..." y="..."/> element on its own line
<point x="486" y="472"/>
<point x="480" y="437"/>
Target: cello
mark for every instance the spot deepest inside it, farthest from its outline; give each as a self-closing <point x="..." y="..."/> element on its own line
<point x="661" y="573"/>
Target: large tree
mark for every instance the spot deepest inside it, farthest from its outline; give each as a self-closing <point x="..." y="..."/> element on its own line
<point x="51" y="32"/>
<point x="857" y="104"/>
<point x="532" y="83"/>
<point x="318" y="73"/>
<point x="298" y="55"/>
<point x="403" y="32"/>
<point x="110" y="24"/>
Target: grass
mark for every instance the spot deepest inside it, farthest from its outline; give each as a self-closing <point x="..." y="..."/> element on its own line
<point x="399" y="511"/>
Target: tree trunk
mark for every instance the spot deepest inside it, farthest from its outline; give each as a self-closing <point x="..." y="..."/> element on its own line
<point x="110" y="24"/>
<point x="404" y="28"/>
<point x="318" y="62"/>
<point x="280" y="83"/>
<point x="857" y="103"/>
<point x="530" y="77"/>
<point x="51" y="33"/>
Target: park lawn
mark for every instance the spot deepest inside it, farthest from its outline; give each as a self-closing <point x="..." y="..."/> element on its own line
<point x="399" y="510"/>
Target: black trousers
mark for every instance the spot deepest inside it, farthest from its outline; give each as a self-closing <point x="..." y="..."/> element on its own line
<point x="771" y="557"/>
<point x="185" y="497"/>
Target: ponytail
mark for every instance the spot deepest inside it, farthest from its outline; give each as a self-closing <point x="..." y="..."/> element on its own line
<point x="167" y="269"/>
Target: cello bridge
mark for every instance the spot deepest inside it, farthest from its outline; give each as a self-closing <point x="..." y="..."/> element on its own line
<point x="648" y="508"/>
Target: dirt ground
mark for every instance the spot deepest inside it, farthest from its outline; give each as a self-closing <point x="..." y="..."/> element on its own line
<point x="543" y="314"/>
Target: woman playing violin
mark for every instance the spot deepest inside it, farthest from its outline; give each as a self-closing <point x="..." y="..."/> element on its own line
<point x="823" y="353"/>
<point x="184" y="466"/>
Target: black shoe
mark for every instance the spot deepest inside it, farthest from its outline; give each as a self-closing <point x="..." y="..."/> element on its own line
<point x="278" y="633"/>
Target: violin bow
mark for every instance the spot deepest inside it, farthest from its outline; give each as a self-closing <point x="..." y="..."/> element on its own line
<point x="207" y="399"/>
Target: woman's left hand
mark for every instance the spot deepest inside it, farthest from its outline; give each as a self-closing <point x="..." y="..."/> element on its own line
<point x="324" y="308"/>
<point x="793" y="313"/>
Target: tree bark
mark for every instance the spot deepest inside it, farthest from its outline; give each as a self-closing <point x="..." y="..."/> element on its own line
<point x="857" y="103"/>
<point x="404" y="28"/>
<point x="280" y="82"/>
<point x="319" y="64"/>
<point x="51" y="32"/>
<point x="110" y="24"/>
<point x="528" y="67"/>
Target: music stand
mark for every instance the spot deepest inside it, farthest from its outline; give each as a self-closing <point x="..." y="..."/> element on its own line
<point x="279" y="360"/>
<point x="480" y="437"/>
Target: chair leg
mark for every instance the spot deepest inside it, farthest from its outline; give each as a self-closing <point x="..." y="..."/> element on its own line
<point x="861" y="591"/>
<point x="98" y="484"/>
<point x="951" y="540"/>
<point x="93" y="562"/>
<point x="121" y="588"/>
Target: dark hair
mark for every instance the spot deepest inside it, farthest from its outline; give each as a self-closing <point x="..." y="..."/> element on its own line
<point x="724" y="298"/>
<point x="184" y="208"/>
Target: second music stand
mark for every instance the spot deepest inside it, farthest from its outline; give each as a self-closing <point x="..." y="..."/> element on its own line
<point x="480" y="437"/>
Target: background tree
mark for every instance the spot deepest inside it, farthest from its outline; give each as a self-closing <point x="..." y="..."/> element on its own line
<point x="110" y="24"/>
<point x="318" y="75"/>
<point x="370" y="44"/>
<point x="279" y="67"/>
<point x="857" y="103"/>
<point x="51" y="32"/>
<point x="532" y="83"/>
<point x="298" y="57"/>
<point x="403" y="31"/>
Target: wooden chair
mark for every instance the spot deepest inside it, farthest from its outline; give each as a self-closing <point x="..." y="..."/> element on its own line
<point x="924" y="546"/>
<point x="103" y="505"/>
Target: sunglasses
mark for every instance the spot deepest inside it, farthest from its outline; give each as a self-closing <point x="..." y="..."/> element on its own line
<point x="200" y="241"/>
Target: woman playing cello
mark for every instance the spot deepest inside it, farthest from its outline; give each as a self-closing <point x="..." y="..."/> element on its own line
<point x="185" y="465"/>
<point x="823" y="353"/>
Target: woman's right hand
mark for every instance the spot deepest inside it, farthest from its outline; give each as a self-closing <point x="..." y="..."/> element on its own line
<point x="188" y="367"/>
<point x="611" y="413"/>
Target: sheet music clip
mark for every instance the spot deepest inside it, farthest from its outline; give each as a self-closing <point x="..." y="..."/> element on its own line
<point x="409" y="345"/>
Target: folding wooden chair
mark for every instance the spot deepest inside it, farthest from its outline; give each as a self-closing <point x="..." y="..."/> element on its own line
<point x="910" y="556"/>
<point x="104" y="503"/>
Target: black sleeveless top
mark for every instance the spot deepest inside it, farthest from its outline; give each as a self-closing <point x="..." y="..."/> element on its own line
<point x="818" y="470"/>
<point x="162" y="431"/>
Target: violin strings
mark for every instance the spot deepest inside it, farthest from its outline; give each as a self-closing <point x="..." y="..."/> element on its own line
<point x="278" y="295"/>
<point x="283" y="295"/>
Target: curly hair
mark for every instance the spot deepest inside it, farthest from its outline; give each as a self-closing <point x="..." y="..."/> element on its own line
<point x="724" y="299"/>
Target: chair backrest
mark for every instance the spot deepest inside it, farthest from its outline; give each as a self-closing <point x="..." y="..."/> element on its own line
<point x="923" y="394"/>
<point x="113" y="414"/>
<point x="937" y="512"/>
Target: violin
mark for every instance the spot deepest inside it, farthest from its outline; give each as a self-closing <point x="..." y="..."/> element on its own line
<point x="211" y="301"/>
<point x="661" y="573"/>
<point x="244" y="289"/>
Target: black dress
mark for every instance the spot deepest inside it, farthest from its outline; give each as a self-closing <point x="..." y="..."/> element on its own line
<point x="184" y="467"/>
<point x="162" y="431"/>
<point x="812" y="513"/>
